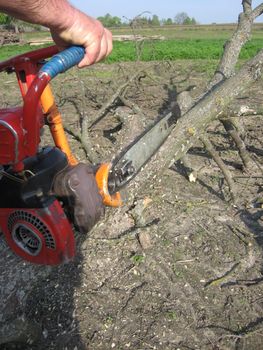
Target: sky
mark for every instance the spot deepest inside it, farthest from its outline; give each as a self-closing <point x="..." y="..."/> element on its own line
<point x="204" y="11"/>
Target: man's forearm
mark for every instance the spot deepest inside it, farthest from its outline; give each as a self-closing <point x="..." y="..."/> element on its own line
<point x="50" y="13"/>
<point x="68" y="25"/>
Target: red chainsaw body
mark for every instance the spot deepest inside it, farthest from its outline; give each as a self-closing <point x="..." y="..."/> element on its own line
<point x="14" y="136"/>
<point x="11" y="136"/>
<point x="33" y="221"/>
<point x="44" y="190"/>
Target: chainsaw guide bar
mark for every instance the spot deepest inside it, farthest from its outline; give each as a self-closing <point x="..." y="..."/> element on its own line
<point x="129" y="162"/>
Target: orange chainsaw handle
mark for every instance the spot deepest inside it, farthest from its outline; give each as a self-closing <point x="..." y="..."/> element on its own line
<point x="102" y="176"/>
<point x="55" y="124"/>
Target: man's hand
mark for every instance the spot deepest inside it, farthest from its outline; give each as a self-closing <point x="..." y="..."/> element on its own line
<point x="68" y="25"/>
<point x="88" y="32"/>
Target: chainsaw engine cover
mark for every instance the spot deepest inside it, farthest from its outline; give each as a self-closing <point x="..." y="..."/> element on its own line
<point x="77" y="188"/>
<point x="31" y="218"/>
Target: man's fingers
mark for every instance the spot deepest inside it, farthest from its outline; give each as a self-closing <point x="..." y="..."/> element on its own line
<point x="98" y="50"/>
<point x="88" y="33"/>
<point x="103" y="49"/>
<point x="91" y="55"/>
<point x="109" y="40"/>
<point x="105" y="45"/>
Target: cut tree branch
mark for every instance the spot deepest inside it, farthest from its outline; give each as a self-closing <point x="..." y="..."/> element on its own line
<point x="194" y="122"/>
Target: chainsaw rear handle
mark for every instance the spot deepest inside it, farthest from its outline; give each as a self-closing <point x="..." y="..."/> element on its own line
<point x="59" y="63"/>
<point x="63" y="61"/>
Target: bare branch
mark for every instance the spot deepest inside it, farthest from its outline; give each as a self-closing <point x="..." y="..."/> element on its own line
<point x="233" y="47"/>
<point x="257" y="11"/>
<point x="133" y="106"/>
<point x="210" y="148"/>
<point x="82" y="137"/>
<point x="247" y="6"/>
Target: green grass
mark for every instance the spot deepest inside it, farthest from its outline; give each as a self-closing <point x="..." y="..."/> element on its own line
<point x="157" y="50"/>
<point x="138" y="259"/>
<point x="178" y="49"/>
<point x="218" y="31"/>
<point x="181" y="42"/>
<point x="8" y="51"/>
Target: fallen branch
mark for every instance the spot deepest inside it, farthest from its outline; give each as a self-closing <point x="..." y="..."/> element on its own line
<point x="80" y="134"/>
<point x="193" y="123"/>
<point x="210" y="148"/>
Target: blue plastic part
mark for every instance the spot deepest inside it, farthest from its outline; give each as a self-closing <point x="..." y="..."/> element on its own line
<point x="64" y="60"/>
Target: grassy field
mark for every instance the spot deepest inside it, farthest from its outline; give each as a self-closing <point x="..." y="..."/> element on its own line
<point x="216" y="31"/>
<point x="177" y="49"/>
<point x="180" y="42"/>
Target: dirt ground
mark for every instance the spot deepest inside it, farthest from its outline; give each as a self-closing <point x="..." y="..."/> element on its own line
<point x="179" y="266"/>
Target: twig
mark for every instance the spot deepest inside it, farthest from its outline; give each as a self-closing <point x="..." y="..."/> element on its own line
<point x="132" y="105"/>
<point x="106" y="106"/>
<point x="210" y="148"/>
<point x="84" y="141"/>
<point x="247" y="177"/>
<point x="218" y="280"/>
<point x="184" y="261"/>
<point x="244" y="155"/>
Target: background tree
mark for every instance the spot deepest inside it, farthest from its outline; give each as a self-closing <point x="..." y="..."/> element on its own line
<point x="155" y="20"/>
<point x="189" y="21"/>
<point x="167" y="21"/>
<point x="110" y="21"/>
<point x="183" y="18"/>
<point x="180" y="18"/>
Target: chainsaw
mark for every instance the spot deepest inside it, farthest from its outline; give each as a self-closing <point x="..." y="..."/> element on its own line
<point x="45" y="191"/>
